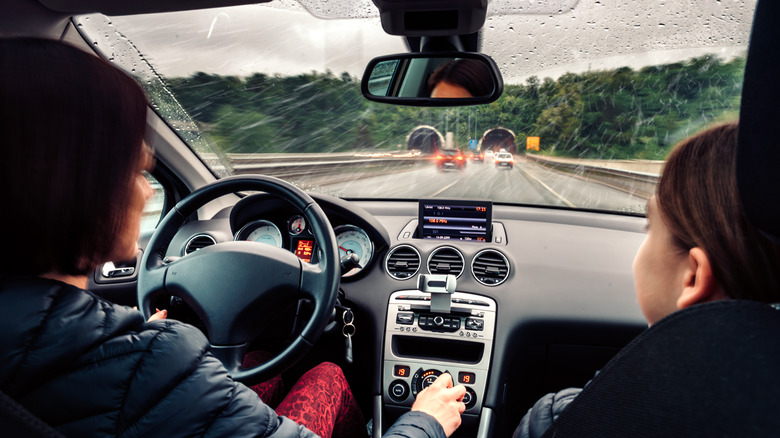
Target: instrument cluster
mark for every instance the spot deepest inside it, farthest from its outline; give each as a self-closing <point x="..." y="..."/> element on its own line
<point x="294" y="234"/>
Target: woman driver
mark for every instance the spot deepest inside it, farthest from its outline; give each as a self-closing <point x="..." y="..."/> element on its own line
<point x="73" y="162"/>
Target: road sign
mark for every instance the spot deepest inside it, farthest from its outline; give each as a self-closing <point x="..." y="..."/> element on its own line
<point x="532" y="143"/>
<point x="473" y="144"/>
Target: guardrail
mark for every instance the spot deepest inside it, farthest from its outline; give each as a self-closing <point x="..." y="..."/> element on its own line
<point x="613" y="173"/>
<point x="291" y="166"/>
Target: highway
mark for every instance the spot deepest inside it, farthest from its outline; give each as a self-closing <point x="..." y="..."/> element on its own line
<point x="526" y="183"/>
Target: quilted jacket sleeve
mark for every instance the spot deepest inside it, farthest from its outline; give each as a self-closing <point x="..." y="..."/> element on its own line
<point x="415" y="424"/>
<point x="179" y="389"/>
<point x="88" y="367"/>
<point x="544" y="413"/>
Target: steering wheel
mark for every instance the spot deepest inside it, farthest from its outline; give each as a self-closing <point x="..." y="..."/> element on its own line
<point x="232" y="286"/>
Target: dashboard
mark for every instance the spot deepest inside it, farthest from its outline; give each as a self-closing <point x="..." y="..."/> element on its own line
<point x="539" y="302"/>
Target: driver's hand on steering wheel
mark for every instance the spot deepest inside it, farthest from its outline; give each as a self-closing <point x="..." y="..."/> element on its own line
<point x="158" y="314"/>
<point x="443" y="402"/>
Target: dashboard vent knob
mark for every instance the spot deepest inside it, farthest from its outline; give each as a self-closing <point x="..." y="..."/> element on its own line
<point x="490" y="267"/>
<point x="402" y="262"/>
<point x="197" y="242"/>
<point x="446" y="260"/>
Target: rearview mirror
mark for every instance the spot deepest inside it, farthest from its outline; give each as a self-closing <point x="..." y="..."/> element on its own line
<point x="432" y="79"/>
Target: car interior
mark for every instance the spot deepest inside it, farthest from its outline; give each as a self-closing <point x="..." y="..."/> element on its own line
<point x="514" y="289"/>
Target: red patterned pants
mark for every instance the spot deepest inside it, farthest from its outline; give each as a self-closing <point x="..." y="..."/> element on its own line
<point x="321" y="400"/>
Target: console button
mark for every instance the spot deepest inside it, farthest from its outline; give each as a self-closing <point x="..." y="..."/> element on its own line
<point x="404" y="318"/>
<point x="475" y="324"/>
<point x="469" y="398"/>
<point x="398" y="390"/>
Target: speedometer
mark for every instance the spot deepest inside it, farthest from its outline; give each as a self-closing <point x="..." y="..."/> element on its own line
<point x="353" y="240"/>
<point x="261" y="231"/>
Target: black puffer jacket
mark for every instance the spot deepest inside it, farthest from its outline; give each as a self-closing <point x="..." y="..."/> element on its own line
<point x="544" y="413"/>
<point x="91" y="368"/>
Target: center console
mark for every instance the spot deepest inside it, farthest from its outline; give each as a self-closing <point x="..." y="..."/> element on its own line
<point x="431" y="331"/>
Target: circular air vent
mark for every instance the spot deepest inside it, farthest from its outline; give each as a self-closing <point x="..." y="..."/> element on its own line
<point x="197" y="242"/>
<point x="490" y="267"/>
<point x="446" y="260"/>
<point x="402" y="262"/>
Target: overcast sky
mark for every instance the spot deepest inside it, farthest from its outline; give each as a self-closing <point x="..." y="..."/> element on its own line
<point x="596" y="34"/>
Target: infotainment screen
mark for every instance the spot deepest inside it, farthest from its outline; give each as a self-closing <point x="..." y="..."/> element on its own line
<point x="455" y="220"/>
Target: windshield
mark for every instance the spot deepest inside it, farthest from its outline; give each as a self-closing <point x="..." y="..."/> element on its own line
<point x="595" y="96"/>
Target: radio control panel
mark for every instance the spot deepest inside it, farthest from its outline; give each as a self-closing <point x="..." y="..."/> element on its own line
<point x="421" y="344"/>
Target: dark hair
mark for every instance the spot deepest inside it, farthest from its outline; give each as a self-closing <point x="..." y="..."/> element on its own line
<point x="470" y="74"/>
<point x="699" y="201"/>
<point x="73" y="127"/>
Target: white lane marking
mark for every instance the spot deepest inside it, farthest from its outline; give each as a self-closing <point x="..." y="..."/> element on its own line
<point x="561" y="198"/>
<point x="446" y="187"/>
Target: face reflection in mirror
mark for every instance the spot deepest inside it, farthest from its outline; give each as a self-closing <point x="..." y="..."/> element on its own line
<point x="461" y="78"/>
<point x="432" y="79"/>
<point x="447" y="90"/>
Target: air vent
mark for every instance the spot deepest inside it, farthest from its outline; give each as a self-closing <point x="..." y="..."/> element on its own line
<point x="490" y="267"/>
<point x="402" y="262"/>
<point x="446" y="260"/>
<point x="197" y="242"/>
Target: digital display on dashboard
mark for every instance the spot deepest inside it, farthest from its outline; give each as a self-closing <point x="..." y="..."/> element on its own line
<point x="455" y="220"/>
<point x="304" y="249"/>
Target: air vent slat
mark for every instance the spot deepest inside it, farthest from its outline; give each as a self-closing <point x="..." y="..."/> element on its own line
<point x="490" y="267"/>
<point x="446" y="260"/>
<point x="197" y="242"/>
<point x="402" y="262"/>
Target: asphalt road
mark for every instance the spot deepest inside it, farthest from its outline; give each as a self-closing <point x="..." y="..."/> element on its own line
<point x="525" y="183"/>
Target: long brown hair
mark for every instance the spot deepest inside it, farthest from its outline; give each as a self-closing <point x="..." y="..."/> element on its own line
<point x="698" y="199"/>
<point x="73" y="127"/>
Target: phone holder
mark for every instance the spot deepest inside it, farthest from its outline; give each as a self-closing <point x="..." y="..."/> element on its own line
<point x="441" y="288"/>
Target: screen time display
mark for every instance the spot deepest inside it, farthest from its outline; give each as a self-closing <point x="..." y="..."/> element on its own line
<point x="304" y="249"/>
<point x="455" y="220"/>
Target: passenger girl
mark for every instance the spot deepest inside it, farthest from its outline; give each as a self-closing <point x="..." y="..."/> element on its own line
<point x="700" y="247"/>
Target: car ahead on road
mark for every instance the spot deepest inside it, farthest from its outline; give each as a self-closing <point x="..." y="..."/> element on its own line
<point x="504" y="159"/>
<point x="478" y="156"/>
<point x="543" y="294"/>
<point x="451" y="159"/>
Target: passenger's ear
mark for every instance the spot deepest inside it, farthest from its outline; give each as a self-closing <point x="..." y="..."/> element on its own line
<point x="699" y="285"/>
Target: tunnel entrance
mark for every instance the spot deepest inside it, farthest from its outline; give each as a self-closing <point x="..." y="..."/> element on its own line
<point x="426" y="139"/>
<point x="498" y="138"/>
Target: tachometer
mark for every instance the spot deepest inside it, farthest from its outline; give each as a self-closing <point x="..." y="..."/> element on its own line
<point x="353" y="240"/>
<point x="261" y="231"/>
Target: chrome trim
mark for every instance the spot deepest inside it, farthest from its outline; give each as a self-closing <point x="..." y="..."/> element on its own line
<point x="462" y="259"/>
<point x="392" y="251"/>
<point x="506" y="260"/>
